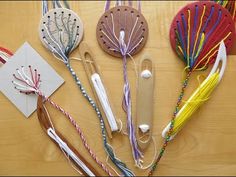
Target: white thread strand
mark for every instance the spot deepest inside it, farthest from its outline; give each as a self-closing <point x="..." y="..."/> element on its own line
<point x="69" y="160"/>
<point x="4" y="56"/>
<point x="139" y="5"/>
<point x="131" y="34"/>
<point x="136" y="45"/>
<point x="52" y="134"/>
<point x="26" y="77"/>
<point x="59" y="47"/>
<point x="154" y="157"/>
<point x="110" y="39"/>
<point x="102" y="96"/>
<point x="135" y="65"/>
<point x="113" y="26"/>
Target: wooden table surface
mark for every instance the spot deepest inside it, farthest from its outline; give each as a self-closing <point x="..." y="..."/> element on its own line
<point x="206" y="146"/>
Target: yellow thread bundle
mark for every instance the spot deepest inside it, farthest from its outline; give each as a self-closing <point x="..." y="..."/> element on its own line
<point x="201" y="94"/>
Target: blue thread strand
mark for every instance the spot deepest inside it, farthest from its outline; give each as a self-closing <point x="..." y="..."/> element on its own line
<point x="215" y="25"/>
<point x="193" y="35"/>
<point x="202" y="31"/>
<point x="210" y="32"/>
<point x="185" y="31"/>
<point x="181" y="40"/>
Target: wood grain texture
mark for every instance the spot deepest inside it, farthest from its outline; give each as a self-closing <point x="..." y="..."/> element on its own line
<point x="206" y="146"/>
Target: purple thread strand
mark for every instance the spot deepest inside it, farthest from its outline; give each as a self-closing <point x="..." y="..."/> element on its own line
<point x="139" y="5"/>
<point x="107" y="5"/>
<point x="210" y="32"/>
<point x="127" y="102"/>
<point x="215" y="25"/>
<point x="185" y="31"/>
<point x="181" y="39"/>
<point x="130" y="3"/>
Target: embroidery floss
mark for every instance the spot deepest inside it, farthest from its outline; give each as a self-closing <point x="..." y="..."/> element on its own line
<point x="201" y="94"/>
<point x="121" y="32"/>
<point x="230" y="5"/>
<point x="94" y="76"/>
<point x="5" y="54"/>
<point x="70" y="152"/>
<point x="61" y="31"/>
<point x="195" y="35"/>
<point x="29" y="83"/>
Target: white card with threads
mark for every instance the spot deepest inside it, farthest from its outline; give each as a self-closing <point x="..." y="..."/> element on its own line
<point x="26" y="56"/>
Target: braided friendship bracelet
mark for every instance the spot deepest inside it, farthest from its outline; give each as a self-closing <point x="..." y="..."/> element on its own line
<point x="176" y="110"/>
<point x="195" y="40"/>
<point x="120" y="165"/>
<point x="30" y="85"/>
<point x="195" y="43"/>
<point x="122" y="31"/>
<point x="62" y="49"/>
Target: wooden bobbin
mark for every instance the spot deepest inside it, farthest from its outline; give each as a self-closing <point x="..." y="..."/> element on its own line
<point x="144" y="108"/>
<point x="91" y="67"/>
<point x="124" y="18"/>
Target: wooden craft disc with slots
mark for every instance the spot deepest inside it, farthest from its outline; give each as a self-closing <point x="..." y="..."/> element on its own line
<point x="60" y="20"/>
<point x="216" y="24"/>
<point x="123" y="18"/>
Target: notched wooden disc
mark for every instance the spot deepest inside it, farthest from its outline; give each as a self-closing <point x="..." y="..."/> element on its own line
<point x="214" y="28"/>
<point x="64" y="26"/>
<point x="125" y="18"/>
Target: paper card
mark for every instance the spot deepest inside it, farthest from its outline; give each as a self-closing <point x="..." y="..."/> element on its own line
<point x="26" y="56"/>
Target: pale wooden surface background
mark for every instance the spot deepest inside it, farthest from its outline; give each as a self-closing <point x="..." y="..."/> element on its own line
<point x="206" y="146"/>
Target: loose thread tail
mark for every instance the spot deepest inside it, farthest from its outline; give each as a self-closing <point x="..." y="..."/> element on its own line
<point x="139" y="5"/>
<point x="66" y="4"/>
<point x="120" y="165"/>
<point x="167" y="138"/>
<point x="44" y="7"/>
<point x="137" y="155"/>
<point x="107" y="5"/>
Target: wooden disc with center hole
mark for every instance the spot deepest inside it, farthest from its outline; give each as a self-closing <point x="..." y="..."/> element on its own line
<point x="117" y="19"/>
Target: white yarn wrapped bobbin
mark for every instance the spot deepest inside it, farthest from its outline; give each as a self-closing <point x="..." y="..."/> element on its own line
<point x="146" y="74"/>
